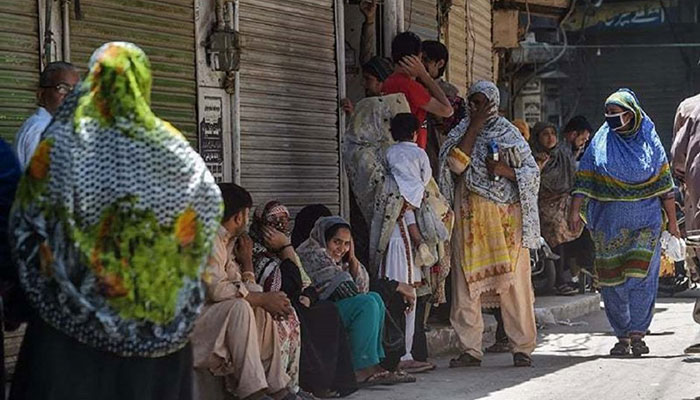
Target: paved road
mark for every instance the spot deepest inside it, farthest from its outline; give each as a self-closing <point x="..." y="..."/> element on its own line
<point x="571" y="363"/>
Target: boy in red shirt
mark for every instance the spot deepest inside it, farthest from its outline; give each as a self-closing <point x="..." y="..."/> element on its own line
<point x="411" y="78"/>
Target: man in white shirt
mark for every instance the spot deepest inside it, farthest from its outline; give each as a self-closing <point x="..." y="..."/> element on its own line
<point x="58" y="79"/>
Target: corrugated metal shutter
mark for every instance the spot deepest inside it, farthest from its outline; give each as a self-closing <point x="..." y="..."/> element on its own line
<point x="164" y="29"/>
<point x="289" y="102"/>
<point x="457" y="44"/>
<point x="479" y="42"/>
<point x="420" y="17"/>
<point x="658" y="76"/>
<point x="19" y="64"/>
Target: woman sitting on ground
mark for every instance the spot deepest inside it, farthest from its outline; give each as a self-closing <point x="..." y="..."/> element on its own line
<point x="329" y="258"/>
<point x="326" y="365"/>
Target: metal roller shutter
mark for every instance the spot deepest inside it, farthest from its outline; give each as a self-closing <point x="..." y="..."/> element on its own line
<point x="456" y="39"/>
<point x="289" y="102"/>
<point x="657" y="76"/>
<point x="19" y="64"/>
<point x="479" y="42"/>
<point x="164" y="29"/>
<point x="420" y="17"/>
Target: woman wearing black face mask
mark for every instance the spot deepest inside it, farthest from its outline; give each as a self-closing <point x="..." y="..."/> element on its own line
<point x="626" y="178"/>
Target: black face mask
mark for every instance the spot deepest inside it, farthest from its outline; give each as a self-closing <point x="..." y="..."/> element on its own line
<point x="615" y="121"/>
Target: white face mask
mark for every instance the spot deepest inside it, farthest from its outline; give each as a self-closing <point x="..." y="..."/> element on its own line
<point x="615" y="121"/>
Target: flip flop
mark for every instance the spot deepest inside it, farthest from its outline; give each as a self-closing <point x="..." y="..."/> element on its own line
<point x="381" y="378"/>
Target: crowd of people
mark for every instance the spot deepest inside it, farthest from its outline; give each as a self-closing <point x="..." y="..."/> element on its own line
<point x="132" y="263"/>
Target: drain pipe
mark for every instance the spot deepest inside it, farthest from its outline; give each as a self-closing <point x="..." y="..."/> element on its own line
<point x="233" y="8"/>
<point x="66" y="29"/>
<point x="400" y="16"/>
<point x="390" y="23"/>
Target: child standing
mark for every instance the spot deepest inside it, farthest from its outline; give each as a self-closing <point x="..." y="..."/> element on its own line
<point x="409" y="165"/>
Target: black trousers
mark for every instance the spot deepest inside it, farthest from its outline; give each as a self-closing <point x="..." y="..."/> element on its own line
<point x="395" y="332"/>
<point x="419" y="351"/>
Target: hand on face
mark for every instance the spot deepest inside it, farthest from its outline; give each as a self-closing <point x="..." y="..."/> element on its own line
<point x="413" y="65"/>
<point x="480" y="110"/>
<point x="274" y="239"/>
<point x="244" y="248"/>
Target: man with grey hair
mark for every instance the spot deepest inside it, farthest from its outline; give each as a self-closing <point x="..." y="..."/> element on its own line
<point x="56" y="81"/>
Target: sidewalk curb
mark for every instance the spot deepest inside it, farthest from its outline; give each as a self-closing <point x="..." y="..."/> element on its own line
<point x="548" y="310"/>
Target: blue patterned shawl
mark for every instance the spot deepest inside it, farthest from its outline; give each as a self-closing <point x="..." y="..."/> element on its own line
<point x="623" y="174"/>
<point x="625" y="166"/>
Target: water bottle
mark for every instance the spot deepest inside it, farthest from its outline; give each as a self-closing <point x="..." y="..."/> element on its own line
<point x="493" y="154"/>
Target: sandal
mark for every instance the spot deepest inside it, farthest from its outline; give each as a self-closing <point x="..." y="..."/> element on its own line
<point x="500" y="347"/>
<point x="639" y="347"/>
<point x="403" y="377"/>
<point x="566" y="290"/>
<point x="522" y="360"/>
<point x="416" y="367"/>
<point x="621" y="349"/>
<point x="380" y="378"/>
<point x="465" y="360"/>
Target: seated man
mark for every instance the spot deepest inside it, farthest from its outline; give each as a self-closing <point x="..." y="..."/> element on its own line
<point x="236" y="335"/>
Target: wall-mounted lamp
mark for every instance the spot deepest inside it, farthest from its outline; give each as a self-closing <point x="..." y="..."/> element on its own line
<point x="223" y="50"/>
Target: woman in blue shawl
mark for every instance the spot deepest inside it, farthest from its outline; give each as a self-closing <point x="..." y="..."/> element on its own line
<point x="625" y="181"/>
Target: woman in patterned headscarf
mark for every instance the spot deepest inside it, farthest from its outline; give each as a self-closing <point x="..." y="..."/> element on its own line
<point x="325" y="365"/>
<point x="556" y="183"/>
<point x="496" y="222"/>
<point x="112" y="224"/>
<point x="625" y="177"/>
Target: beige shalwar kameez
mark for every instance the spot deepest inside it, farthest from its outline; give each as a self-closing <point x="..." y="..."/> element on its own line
<point x="231" y="338"/>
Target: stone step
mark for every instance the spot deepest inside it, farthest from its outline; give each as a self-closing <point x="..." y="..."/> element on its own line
<point x="442" y="340"/>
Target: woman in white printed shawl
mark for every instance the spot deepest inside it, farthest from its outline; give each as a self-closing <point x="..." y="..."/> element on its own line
<point x="378" y="196"/>
<point x="496" y="221"/>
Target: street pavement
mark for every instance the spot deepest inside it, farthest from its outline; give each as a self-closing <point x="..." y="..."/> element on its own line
<point x="572" y="362"/>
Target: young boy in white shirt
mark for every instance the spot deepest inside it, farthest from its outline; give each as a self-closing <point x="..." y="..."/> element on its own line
<point x="409" y="165"/>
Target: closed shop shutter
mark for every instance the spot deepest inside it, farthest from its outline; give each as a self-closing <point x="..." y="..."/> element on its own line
<point x="164" y="29"/>
<point x="659" y="77"/>
<point x="19" y="64"/>
<point x="289" y="102"/>
<point x="456" y="39"/>
<point x="479" y="42"/>
<point x="420" y="17"/>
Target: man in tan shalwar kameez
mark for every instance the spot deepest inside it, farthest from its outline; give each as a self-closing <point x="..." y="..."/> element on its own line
<point x="236" y="334"/>
<point x="685" y="161"/>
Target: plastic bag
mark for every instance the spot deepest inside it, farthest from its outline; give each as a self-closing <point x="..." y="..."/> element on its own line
<point x="673" y="247"/>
